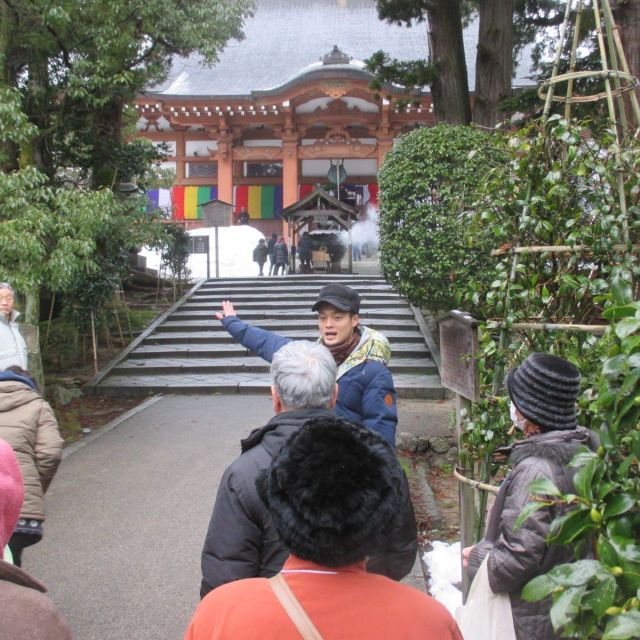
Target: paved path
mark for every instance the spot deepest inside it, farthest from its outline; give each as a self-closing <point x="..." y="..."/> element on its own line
<point x="128" y="512"/>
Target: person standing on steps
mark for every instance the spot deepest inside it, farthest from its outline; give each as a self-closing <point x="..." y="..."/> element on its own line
<point x="270" y="246"/>
<point x="366" y="391"/>
<point x="260" y="254"/>
<point x="280" y="256"/>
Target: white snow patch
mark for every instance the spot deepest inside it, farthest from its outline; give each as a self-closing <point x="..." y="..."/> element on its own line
<point x="445" y="574"/>
<point x="236" y="245"/>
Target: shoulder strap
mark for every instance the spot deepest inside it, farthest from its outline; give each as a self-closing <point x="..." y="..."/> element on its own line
<point x="294" y="609"/>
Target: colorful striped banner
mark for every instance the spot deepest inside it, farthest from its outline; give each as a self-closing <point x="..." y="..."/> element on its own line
<point x="186" y="201"/>
<point x="262" y="202"/>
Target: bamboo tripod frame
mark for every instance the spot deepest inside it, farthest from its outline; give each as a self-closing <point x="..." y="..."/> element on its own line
<point x="614" y="72"/>
<point x="619" y="85"/>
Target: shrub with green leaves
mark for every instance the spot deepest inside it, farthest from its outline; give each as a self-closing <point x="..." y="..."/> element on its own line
<point x="425" y="182"/>
<point x="558" y="187"/>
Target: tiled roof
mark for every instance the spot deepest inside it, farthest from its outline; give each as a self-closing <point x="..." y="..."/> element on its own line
<point x="287" y="36"/>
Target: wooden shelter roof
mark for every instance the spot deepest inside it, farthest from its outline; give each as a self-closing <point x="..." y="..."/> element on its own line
<point x="320" y="203"/>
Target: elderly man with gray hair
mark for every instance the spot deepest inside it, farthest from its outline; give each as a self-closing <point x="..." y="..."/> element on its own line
<point x="241" y="540"/>
<point x="13" y="350"/>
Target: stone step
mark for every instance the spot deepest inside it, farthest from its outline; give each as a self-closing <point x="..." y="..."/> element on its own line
<point x="278" y="325"/>
<point x="233" y="349"/>
<point x="407" y="385"/>
<point x="188" y="350"/>
<point x="246" y="364"/>
<point x="180" y="336"/>
<point x="191" y="311"/>
<point x="291" y="291"/>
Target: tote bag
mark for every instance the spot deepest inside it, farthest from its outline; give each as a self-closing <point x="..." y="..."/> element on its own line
<point x="486" y="615"/>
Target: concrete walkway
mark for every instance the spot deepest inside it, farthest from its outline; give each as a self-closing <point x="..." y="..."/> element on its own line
<point x="129" y="508"/>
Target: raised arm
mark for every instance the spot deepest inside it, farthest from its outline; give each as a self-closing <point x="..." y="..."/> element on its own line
<point x="262" y="342"/>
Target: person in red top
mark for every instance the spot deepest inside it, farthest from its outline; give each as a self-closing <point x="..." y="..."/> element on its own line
<point x="332" y="490"/>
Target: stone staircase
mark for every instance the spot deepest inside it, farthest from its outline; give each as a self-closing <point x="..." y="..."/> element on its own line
<point x="186" y="350"/>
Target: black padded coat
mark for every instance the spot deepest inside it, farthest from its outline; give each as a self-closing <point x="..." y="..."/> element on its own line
<point x="515" y="557"/>
<point x="242" y="542"/>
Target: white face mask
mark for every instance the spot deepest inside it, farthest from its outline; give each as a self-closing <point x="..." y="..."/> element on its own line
<point x="519" y="424"/>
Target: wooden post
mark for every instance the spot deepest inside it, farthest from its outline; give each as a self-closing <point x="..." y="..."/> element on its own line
<point x="466" y="494"/>
<point x="458" y="349"/>
<point x="217" y="256"/>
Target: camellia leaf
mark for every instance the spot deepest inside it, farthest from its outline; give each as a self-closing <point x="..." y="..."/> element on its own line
<point x="568" y="527"/>
<point x="544" y="486"/>
<point x="529" y="508"/>
<point x="567" y="605"/>
<point x="538" y="588"/>
<point x="577" y="573"/>
<point x="618" y="505"/>
<point x="623" y="626"/>
<point x="583" y="478"/>
<point x="602" y="596"/>
<point x="627" y="327"/>
<point x="606" y="552"/>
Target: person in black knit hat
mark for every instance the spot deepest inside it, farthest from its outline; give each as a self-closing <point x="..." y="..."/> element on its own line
<point x="543" y="391"/>
<point x="332" y="491"/>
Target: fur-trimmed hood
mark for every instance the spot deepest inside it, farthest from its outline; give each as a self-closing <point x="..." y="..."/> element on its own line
<point x="372" y="346"/>
<point x="555" y="446"/>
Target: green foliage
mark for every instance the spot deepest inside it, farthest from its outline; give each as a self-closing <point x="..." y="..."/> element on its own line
<point x="176" y="252"/>
<point x="68" y="70"/>
<point x="410" y="74"/>
<point x="558" y="187"/>
<point x="14" y="125"/>
<point x="599" y="598"/>
<point x="425" y="183"/>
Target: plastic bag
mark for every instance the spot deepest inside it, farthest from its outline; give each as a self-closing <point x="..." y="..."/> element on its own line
<point x="485" y="615"/>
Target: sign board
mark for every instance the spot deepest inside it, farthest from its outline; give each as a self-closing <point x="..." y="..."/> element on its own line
<point x="198" y="244"/>
<point x="458" y="348"/>
<point x="217" y="213"/>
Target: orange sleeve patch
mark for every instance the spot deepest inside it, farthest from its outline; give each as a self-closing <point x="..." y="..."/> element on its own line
<point x="388" y="400"/>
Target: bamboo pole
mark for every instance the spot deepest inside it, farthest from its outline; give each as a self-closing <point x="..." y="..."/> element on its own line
<point x="635" y="106"/>
<point x="558" y="248"/>
<point x="95" y="343"/>
<point x="612" y="117"/>
<point x="556" y="62"/>
<point x="475" y="484"/>
<point x="596" y="329"/>
<point x="53" y="301"/>
<point x="572" y="64"/>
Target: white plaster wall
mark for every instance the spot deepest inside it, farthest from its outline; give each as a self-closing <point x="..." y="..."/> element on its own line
<point x="353" y="167"/>
<point x="199" y="147"/>
<point x="262" y="143"/>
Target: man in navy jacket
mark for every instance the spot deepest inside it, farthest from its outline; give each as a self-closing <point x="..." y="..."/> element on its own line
<point x="366" y="393"/>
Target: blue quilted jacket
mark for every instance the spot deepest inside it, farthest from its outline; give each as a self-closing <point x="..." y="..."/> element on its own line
<point x="366" y="394"/>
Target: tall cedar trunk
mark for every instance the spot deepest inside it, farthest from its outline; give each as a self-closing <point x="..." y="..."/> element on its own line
<point x="108" y="127"/>
<point x="450" y="90"/>
<point x="494" y="60"/>
<point x="627" y="17"/>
